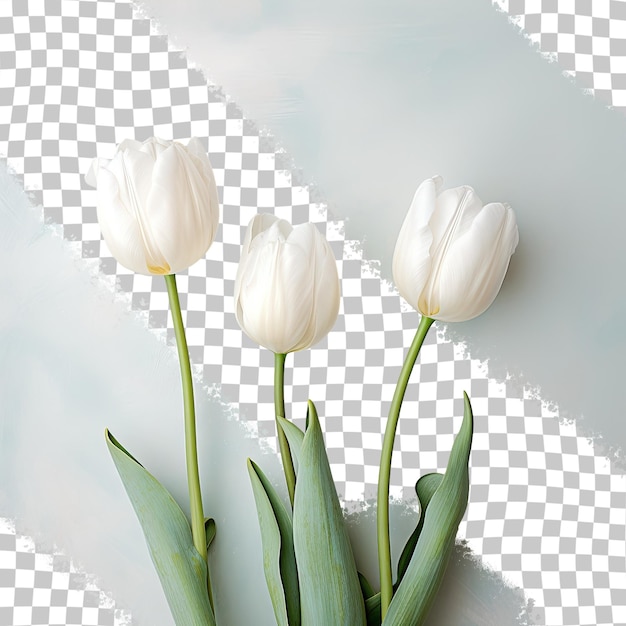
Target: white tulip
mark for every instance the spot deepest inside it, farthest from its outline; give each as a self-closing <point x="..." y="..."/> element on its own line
<point x="452" y="252"/>
<point x="157" y="204"/>
<point x="287" y="287"/>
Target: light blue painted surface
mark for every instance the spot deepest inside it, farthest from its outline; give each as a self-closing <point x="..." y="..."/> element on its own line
<point x="74" y="361"/>
<point x="370" y="98"/>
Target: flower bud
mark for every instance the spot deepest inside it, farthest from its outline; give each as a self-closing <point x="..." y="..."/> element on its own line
<point x="287" y="287"/>
<point x="452" y="252"/>
<point x="157" y="204"/>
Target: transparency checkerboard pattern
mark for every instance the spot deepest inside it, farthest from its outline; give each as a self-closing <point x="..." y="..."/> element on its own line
<point x="41" y="588"/>
<point x="586" y="37"/>
<point x="79" y="76"/>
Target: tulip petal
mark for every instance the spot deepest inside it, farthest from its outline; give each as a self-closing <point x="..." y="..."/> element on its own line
<point x="154" y="146"/>
<point x="275" y="300"/>
<point x="456" y="209"/>
<point x="318" y="305"/>
<point x="326" y="295"/>
<point x="133" y="169"/>
<point x="475" y="266"/>
<point x="179" y="207"/>
<point x="128" y="144"/>
<point x="119" y="227"/>
<point x="91" y="177"/>
<point x="297" y="283"/>
<point x="261" y="224"/>
<point x="452" y="268"/>
<point x="411" y="258"/>
<point x="201" y="158"/>
<point x="455" y="212"/>
<point x="287" y="286"/>
<point x="169" y="194"/>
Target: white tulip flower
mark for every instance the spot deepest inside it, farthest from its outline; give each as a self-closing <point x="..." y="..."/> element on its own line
<point x="452" y="252"/>
<point x="157" y="204"/>
<point x="287" y="286"/>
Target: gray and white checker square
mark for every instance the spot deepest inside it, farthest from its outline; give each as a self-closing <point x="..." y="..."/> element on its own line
<point x="586" y="37"/>
<point x="79" y="76"/>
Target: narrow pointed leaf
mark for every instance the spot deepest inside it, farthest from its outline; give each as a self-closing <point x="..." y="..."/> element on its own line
<point x="425" y="489"/>
<point x="372" y="610"/>
<point x="422" y="578"/>
<point x="372" y="601"/>
<point x="330" y="593"/>
<point x="366" y="587"/>
<point x="209" y="530"/>
<point x="294" y="436"/>
<point x="181" y="569"/>
<point x="279" y="561"/>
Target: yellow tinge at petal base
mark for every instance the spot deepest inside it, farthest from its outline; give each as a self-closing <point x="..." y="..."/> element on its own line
<point x="287" y="285"/>
<point x="157" y="204"/>
<point x="452" y="252"/>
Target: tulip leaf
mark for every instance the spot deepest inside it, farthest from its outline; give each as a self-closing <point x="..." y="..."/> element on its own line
<point x="279" y="561"/>
<point x="330" y="592"/>
<point x="425" y="488"/>
<point x="366" y="587"/>
<point x="415" y="594"/>
<point x="209" y="530"/>
<point x="372" y="610"/>
<point x="294" y="435"/>
<point x="372" y="601"/>
<point x="181" y="569"/>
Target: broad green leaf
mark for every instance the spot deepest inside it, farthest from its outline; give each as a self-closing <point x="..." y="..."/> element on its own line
<point x="425" y="488"/>
<point x="330" y="593"/>
<point x="183" y="572"/>
<point x="294" y="436"/>
<point x="422" y="578"/>
<point x="279" y="561"/>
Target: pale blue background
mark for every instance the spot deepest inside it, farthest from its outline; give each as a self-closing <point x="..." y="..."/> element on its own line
<point x="368" y="102"/>
<point x="370" y="98"/>
<point x="74" y="360"/>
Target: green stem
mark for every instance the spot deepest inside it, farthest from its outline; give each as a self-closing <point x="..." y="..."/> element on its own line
<point x="191" y="448"/>
<point x="382" y="515"/>
<point x="279" y="406"/>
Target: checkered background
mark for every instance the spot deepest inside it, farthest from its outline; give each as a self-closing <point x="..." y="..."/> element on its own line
<point x="77" y="77"/>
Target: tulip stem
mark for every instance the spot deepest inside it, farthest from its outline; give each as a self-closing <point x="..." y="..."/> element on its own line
<point x="382" y="515"/>
<point x="191" y="449"/>
<point x="279" y="407"/>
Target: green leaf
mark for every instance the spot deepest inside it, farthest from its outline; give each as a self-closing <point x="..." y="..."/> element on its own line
<point x="330" y="593"/>
<point x="372" y="610"/>
<point x="209" y="530"/>
<point x="294" y="436"/>
<point x="422" y="578"/>
<point x="425" y="488"/>
<point x="279" y="561"/>
<point x="372" y="601"/>
<point x="183" y="572"/>
<point x="366" y="587"/>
